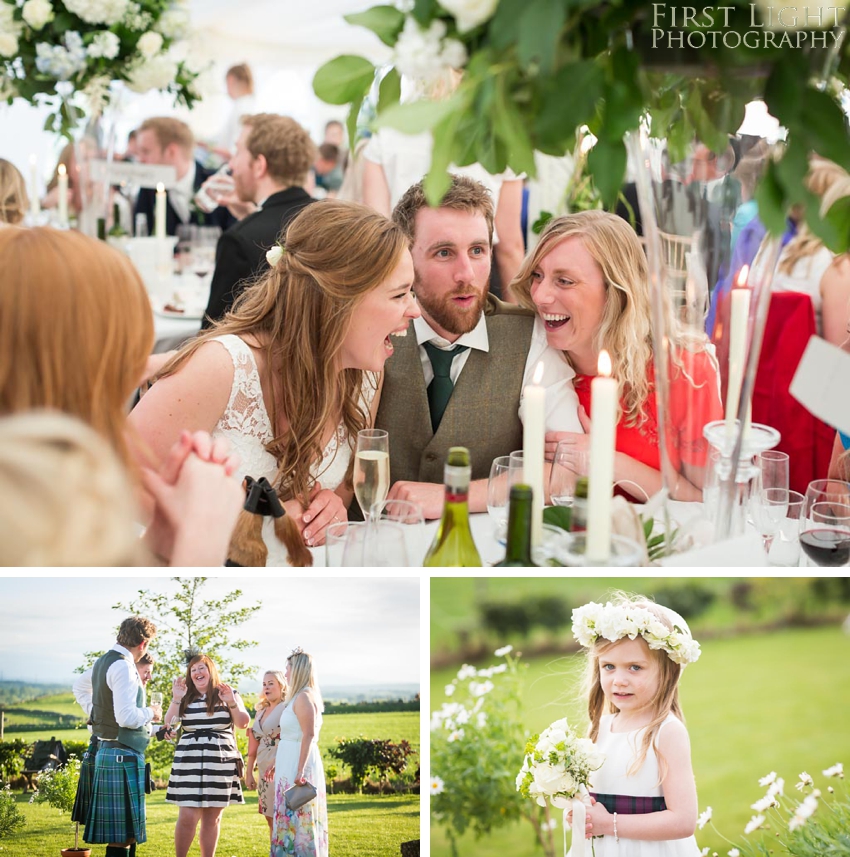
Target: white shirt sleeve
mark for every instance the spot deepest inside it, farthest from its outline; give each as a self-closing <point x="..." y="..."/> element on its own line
<point x="123" y="680"/>
<point x="561" y="397"/>
<point x="82" y="690"/>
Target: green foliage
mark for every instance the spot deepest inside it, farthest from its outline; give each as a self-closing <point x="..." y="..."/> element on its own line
<point x="507" y="618"/>
<point x="186" y="620"/>
<point x="540" y="69"/>
<point x="58" y="788"/>
<point x="12" y="755"/>
<point x="11" y="818"/>
<point x="689" y="599"/>
<point x="363" y="755"/>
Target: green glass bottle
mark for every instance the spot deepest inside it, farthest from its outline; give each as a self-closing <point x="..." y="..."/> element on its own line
<point x="453" y="546"/>
<point x="578" y="522"/>
<point x="117" y="230"/>
<point x="101" y="228"/>
<point x="518" y="553"/>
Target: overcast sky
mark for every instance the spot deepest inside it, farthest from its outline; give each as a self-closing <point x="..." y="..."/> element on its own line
<point x="359" y="630"/>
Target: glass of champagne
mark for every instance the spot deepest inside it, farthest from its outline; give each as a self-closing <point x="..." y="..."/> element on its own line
<point x="156" y="698"/>
<point x="371" y="469"/>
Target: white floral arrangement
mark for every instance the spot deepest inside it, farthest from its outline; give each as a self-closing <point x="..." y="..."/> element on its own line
<point x="557" y="765"/>
<point x="84" y="45"/>
<point x="616" y="621"/>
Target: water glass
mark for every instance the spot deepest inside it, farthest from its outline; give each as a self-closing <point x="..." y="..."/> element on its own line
<point x="498" y="496"/>
<point x="562" y="479"/>
<point x="378" y="544"/>
<point x="371" y="468"/>
<point x="337" y="537"/>
<point x="516" y="469"/>
<point x="410" y="518"/>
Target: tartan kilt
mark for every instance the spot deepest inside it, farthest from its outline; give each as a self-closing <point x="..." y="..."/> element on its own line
<point x="117" y="803"/>
<point x="81" y="801"/>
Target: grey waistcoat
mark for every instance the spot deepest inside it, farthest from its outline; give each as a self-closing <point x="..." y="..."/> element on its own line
<point x="482" y="414"/>
<point x="104" y="724"/>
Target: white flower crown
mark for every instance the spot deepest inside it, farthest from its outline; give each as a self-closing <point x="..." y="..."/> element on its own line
<point x="616" y="621"/>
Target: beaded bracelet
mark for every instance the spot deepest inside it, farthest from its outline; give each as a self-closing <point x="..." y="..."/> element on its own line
<point x="616" y="837"/>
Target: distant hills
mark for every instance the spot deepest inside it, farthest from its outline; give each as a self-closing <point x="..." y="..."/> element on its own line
<point x="20" y="691"/>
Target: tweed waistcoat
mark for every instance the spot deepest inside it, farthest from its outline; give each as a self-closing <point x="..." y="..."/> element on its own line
<point x="104" y="724"/>
<point x="482" y="414"/>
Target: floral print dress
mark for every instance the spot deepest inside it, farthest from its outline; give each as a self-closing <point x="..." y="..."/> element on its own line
<point x="303" y="832"/>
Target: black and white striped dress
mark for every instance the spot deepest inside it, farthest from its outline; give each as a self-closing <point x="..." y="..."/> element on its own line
<point x="204" y="770"/>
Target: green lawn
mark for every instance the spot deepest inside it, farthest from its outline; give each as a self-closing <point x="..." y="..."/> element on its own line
<point x="359" y="826"/>
<point x="754" y="703"/>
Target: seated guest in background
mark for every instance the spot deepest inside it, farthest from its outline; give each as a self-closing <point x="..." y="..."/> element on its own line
<point x="287" y="375"/>
<point x="328" y="169"/>
<point x="169" y="142"/>
<point x="131" y="152"/>
<point x="84" y="358"/>
<point x="457" y="379"/>
<point x="587" y="279"/>
<point x="273" y="157"/>
<point x="14" y="201"/>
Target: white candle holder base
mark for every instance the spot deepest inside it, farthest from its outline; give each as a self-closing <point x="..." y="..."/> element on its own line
<point x="624" y="553"/>
<point x="733" y="497"/>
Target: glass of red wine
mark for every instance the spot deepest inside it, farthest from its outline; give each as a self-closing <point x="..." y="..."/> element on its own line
<point x="826" y="531"/>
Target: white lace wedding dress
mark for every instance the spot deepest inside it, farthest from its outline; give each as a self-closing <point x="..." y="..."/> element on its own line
<point x="246" y="425"/>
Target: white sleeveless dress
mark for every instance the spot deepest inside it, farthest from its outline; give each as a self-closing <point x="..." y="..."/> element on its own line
<point x="304" y="831"/>
<point x="620" y="749"/>
<point x="246" y="425"/>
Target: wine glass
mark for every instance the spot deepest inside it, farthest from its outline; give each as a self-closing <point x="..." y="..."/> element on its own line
<point x="498" y="495"/>
<point x="371" y="468"/>
<point x="562" y="480"/>
<point x="773" y="469"/>
<point x="516" y="470"/>
<point x="826" y="531"/>
<point x="769" y="507"/>
<point x="203" y="251"/>
<point x="156" y="698"/>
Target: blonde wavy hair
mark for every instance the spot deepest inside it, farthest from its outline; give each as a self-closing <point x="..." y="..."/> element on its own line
<point x="666" y="699"/>
<point x="300" y="312"/>
<point x="13" y="194"/>
<point x="76" y="328"/>
<point x="625" y="330"/>
<point x="831" y="183"/>
<point x="302" y="675"/>
<point x="280" y="678"/>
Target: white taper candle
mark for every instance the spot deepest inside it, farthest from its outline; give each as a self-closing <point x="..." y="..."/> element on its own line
<point x="603" y="439"/>
<point x="533" y="449"/>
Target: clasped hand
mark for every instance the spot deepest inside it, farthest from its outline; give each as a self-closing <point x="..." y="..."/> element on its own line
<point x="576" y="445"/>
<point x="597" y="820"/>
<point x="326" y="508"/>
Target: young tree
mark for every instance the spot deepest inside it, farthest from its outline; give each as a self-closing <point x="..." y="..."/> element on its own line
<point x="185" y="622"/>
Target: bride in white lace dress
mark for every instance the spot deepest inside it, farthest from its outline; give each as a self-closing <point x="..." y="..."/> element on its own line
<point x="291" y="374"/>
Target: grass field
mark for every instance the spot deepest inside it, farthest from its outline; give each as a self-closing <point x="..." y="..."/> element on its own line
<point x="755" y="703"/>
<point x="359" y="826"/>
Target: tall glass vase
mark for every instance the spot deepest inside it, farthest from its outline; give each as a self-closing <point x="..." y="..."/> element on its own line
<point x="701" y="242"/>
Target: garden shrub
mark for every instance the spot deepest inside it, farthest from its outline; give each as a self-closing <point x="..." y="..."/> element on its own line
<point x="549" y="613"/>
<point x="689" y="600"/>
<point x="12" y="754"/>
<point x="11" y="818"/>
<point x="505" y="620"/>
<point x="741" y="595"/>
<point x="364" y="754"/>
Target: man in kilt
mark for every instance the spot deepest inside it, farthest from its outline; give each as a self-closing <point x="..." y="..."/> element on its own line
<point x="83" y="694"/>
<point x="119" y="720"/>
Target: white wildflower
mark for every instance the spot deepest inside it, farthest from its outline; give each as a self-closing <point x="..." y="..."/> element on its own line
<point x="465" y="672"/>
<point x="505" y="650"/>
<point x="149" y="44"/>
<point x="456" y="735"/>
<point x="481" y="719"/>
<point x="734" y="852"/>
<point x="437" y="786"/>
<point x="107" y="12"/>
<point x="704" y="852"/>
<point x="805" y="780"/>
<point x="837" y="770"/>
<point x="764" y="803"/>
<point x="480" y="688"/>
<point x="470" y="13"/>
<point x="754" y="823"/>
<point x="450" y="688"/>
<point x="105" y="44"/>
<point x="37" y="13"/>
<point x="777" y="787"/>
<point x="704" y="818"/>
<point x="767" y="780"/>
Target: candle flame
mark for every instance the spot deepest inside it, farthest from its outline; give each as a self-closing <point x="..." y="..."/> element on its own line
<point x="160" y="187"/>
<point x="61" y="170"/>
<point x="604" y="363"/>
<point x="537" y="377"/>
<point x="741" y="280"/>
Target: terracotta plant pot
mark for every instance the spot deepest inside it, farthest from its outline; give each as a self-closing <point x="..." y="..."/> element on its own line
<point x="76" y="852"/>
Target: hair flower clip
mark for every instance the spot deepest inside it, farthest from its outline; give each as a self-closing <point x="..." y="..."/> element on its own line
<point x="274" y="255"/>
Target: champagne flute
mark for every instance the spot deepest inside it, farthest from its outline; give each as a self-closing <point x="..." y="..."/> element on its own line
<point x="773" y="468"/>
<point x="826" y="530"/>
<point x="371" y="469"/>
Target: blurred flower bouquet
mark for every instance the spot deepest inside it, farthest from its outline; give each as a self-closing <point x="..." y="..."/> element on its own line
<point x="476" y="745"/>
<point x="557" y="765"/>
<point x="85" y="45"/>
<point x="813" y="825"/>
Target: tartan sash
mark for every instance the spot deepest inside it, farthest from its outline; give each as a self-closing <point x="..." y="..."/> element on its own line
<point x="630" y="804"/>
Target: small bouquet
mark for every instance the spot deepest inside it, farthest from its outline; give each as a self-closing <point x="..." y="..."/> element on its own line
<point x="557" y="766"/>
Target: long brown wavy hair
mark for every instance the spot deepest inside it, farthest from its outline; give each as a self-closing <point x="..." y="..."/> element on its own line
<point x="214" y="700"/>
<point x="300" y="313"/>
<point x="76" y="328"/>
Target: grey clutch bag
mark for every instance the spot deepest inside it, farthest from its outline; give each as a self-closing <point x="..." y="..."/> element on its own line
<point x="296" y="796"/>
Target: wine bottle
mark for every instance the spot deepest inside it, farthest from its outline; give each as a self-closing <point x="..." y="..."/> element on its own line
<point x="101" y="228"/>
<point x="117" y="230"/>
<point x="453" y="546"/>
<point x="518" y="553"/>
<point x="578" y="522"/>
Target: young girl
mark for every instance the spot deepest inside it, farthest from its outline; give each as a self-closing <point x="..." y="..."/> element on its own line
<point x="644" y="796"/>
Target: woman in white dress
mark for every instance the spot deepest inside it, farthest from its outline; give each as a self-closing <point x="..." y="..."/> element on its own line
<point x="284" y="375"/>
<point x="301" y="832"/>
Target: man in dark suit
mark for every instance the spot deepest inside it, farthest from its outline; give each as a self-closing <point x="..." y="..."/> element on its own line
<point x="170" y="142"/>
<point x="272" y="160"/>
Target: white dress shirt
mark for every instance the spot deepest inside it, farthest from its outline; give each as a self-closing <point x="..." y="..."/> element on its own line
<point x="180" y="196"/>
<point x="124" y="682"/>
<point x="561" y="398"/>
<point x="82" y="690"/>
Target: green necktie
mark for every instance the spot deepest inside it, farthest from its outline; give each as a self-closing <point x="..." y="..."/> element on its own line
<point x="440" y="388"/>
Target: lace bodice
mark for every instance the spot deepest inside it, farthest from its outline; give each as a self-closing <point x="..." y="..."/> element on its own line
<point x="246" y="425"/>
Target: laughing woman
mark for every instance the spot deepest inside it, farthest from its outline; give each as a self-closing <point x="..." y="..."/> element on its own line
<point x="289" y="376"/>
<point x="205" y="773"/>
<point x="263" y="739"/>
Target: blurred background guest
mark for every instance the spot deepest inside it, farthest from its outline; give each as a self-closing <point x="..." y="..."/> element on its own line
<point x="14" y="201"/>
